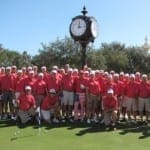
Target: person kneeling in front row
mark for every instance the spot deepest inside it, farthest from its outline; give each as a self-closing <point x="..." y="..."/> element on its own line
<point x="26" y="104"/>
<point x="110" y="108"/>
<point x="50" y="102"/>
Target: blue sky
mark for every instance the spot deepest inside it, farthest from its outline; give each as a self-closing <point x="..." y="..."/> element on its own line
<point x="24" y="24"/>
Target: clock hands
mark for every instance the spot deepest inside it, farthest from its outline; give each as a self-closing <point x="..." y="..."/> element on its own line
<point x="79" y="25"/>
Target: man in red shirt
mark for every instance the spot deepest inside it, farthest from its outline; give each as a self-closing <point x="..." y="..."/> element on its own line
<point x="2" y="73"/>
<point x="19" y="84"/>
<point x="68" y="94"/>
<point x="8" y="83"/>
<point x="144" y="97"/>
<point x="109" y="84"/>
<point x="24" y="72"/>
<point x="45" y="73"/>
<point x="27" y="105"/>
<point x="110" y="107"/>
<point x="30" y="80"/>
<point x="131" y="93"/>
<point x="50" y="104"/>
<point x="54" y="84"/>
<point x="138" y="77"/>
<point x="80" y="89"/>
<point x="19" y="88"/>
<point x="119" y="93"/>
<point x="125" y="79"/>
<point x="93" y="96"/>
<point x="40" y="89"/>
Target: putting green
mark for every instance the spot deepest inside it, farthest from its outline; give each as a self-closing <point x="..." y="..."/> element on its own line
<point x="73" y="137"/>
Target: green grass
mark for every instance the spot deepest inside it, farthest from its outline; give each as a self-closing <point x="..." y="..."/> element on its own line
<point x="73" y="137"/>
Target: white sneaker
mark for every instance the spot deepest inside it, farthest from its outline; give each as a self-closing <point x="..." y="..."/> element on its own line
<point x="88" y="121"/>
<point x="63" y="120"/>
<point x="71" y="120"/>
<point x="14" y="117"/>
<point x="55" y="120"/>
<point x="95" y="120"/>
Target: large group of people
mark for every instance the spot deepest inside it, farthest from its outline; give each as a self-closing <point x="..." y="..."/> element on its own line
<point x="67" y="94"/>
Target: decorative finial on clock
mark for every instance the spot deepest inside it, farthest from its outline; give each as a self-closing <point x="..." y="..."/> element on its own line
<point x="84" y="11"/>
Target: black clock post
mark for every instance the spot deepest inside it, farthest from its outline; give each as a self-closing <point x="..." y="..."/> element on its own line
<point x="84" y="29"/>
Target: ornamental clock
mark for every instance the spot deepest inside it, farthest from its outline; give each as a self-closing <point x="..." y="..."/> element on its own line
<point x="84" y="29"/>
<point x="94" y="27"/>
<point x="78" y="27"/>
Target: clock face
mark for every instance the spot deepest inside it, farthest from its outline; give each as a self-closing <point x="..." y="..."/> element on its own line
<point x="78" y="27"/>
<point x="94" y="27"/>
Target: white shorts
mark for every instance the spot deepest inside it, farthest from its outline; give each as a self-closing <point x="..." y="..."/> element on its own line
<point x="45" y="114"/>
<point x="124" y="104"/>
<point x="17" y="94"/>
<point x="144" y="102"/>
<point x="131" y="104"/>
<point x="68" y="98"/>
<point x="108" y="117"/>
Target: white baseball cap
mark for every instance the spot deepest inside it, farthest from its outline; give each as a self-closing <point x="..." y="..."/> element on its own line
<point x="116" y="75"/>
<point x="54" y="71"/>
<point x="132" y="76"/>
<point x="86" y="72"/>
<point x="8" y="68"/>
<point x="70" y="70"/>
<point x="19" y="71"/>
<point x="41" y="74"/>
<point x="52" y="91"/>
<point x="55" y="67"/>
<point x="31" y="72"/>
<point x="92" y="72"/>
<point x="110" y="91"/>
<point x="43" y="67"/>
<point x="144" y="75"/>
<point x="28" y="88"/>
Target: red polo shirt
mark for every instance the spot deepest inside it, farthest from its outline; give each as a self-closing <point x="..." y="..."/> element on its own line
<point x="119" y="88"/>
<point x="54" y="83"/>
<point x="79" y="82"/>
<point x="40" y="87"/>
<point x="26" y="101"/>
<point x="131" y="89"/>
<point x="101" y="80"/>
<point x="48" y="102"/>
<point x="68" y="83"/>
<point x="144" y="90"/>
<point x="110" y="102"/>
<point x="29" y="82"/>
<point x="19" y="84"/>
<point x="94" y="87"/>
<point x="46" y="76"/>
<point x="8" y="82"/>
<point x="109" y="85"/>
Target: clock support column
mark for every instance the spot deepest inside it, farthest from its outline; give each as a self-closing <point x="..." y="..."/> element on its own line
<point x="84" y="29"/>
<point x="84" y="53"/>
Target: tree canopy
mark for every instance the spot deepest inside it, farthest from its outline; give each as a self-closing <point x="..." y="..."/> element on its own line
<point x="109" y="56"/>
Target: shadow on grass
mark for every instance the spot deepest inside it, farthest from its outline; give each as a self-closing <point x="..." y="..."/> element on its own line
<point x="123" y="127"/>
<point x="136" y="128"/>
<point x="7" y="123"/>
